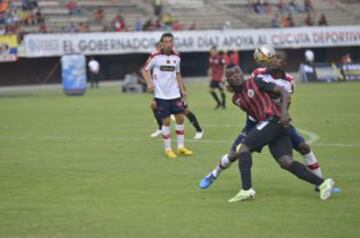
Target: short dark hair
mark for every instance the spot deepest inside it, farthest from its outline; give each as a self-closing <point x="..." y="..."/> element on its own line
<point x="167" y="34"/>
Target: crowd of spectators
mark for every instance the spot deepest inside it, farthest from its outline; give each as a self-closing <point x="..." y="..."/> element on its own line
<point x="12" y="19"/>
<point x="283" y="12"/>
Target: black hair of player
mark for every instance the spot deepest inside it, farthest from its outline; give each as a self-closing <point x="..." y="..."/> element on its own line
<point x="167" y="34"/>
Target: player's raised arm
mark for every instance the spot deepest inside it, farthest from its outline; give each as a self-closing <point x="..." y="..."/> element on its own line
<point x="274" y="89"/>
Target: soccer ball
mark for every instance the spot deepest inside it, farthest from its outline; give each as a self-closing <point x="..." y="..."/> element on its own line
<point x="264" y="54"/>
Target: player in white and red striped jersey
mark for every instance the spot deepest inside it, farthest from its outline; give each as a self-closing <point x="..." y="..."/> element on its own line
<point x="188" y="113"/>
<point x="168" y="87"/>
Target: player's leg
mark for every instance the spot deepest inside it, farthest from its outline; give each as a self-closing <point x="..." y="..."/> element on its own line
<point x="193" y="120"/>
<point x="177" y="109"/>
<point x="229" y="158"/>
<point x="263" y="134"/>
<point x="157" y="118"/>
<point x="163" y="107"/>
<point x="223" y="98"/>
<point x="299" y="144"/>
<point x="281" y="150"/>
<point x="212" y="92"/>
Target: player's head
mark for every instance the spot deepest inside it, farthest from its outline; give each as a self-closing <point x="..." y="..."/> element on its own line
<point x="264" y="55"/>
<point x="234" y="76"/>
<point x="213" y="51"/>
<point x="167" y="42"/>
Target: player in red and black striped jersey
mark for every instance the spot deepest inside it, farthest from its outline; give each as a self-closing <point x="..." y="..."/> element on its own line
<point x="254" y="97"/>
<point x="216" y="70"/>
<point x="275" y="74"/>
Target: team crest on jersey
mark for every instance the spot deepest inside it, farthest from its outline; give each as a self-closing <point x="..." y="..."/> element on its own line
<point x="168" y="61"/>
<point x="174" y="61"/>
<point x="250" y="93"/>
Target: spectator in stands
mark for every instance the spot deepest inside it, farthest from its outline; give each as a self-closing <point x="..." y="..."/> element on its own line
<point x="157" y="4"/>
<point x="39" y="18"/>
<point x="138" y="24"/>
<point x="99" y="14"/>
<point x="258" y="7"/>
<point x="148" y="25"/>
<point x="308" y="7"/>
<point x="83" y="27"/>
<point x="118" y="23"/>
<point x="267" y="7"/>
<point x="276" y="21"/>
<point x="176" y="26"/>
<point x="309" y="20"/>
<point x="294" y="7"/>
<point x="281" y="6"/>
<point x="33" y="4"/>
<point x="73" y="7"/>
<point x="284" y="22"/>
<point x="25" y="4"/>
<point x="4" y="6"/>
<point x="158" y="25"/>
<point x="71" y="28"/>
<point x="323" y="20"/>
<point x="43" y="28"/>
<point x="290" y="20"/>
<point x="168" y="21"/>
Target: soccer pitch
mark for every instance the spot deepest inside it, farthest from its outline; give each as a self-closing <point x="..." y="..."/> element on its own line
<point x="86" y="167"/>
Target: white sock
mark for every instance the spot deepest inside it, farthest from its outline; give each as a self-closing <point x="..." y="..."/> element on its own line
<point x="313" y="164"/>
<point x="223" y="164"/>
<point x="180" y="135"/>
<point x="165" y="131"/>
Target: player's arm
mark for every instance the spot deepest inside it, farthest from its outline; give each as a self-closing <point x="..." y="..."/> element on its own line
<point x="146" y="73"/>
<point x="181" y="83"/>
<point x="267" y="86"/>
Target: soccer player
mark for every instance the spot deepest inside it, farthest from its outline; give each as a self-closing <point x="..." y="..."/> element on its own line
<point x="265" y="55"/>
<point x="216" y="72"/>
<point x="188" y="113"/>
<point x="254" y="96"/>
<point x="168" y="87"/>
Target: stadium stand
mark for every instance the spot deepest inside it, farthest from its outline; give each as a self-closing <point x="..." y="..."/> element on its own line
<point x="187" y="14"/>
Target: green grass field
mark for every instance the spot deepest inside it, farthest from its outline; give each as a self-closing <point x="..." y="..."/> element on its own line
<point x="86" y="167"/>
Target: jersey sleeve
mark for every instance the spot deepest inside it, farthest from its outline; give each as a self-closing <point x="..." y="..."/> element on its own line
<point x="178" y="65"/>
<point x="150" y="62"/>
<point x="264" y="84"/>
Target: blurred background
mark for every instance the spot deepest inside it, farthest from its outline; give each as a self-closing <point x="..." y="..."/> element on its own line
<point x="120" y="34"/>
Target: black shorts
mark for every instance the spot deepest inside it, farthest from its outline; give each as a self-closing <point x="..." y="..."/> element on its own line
<point x="216" y="84"/>
<point x="271" y="133"/>
<point x="167" y="107"/>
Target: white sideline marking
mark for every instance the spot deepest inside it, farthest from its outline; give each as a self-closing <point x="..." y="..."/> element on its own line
<point x="312" y="136"/>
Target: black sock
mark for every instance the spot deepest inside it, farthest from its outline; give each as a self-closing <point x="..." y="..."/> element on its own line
<point x="245" y="163"/>
<point x="223" y="98"/>
<point x="214" y="95"/>
<point x="302" y="172"/>
<point x="192" y="118"/>
<point x="158" y="119"/>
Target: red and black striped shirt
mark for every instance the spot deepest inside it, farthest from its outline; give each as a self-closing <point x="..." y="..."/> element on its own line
<point x="255" y="99"/>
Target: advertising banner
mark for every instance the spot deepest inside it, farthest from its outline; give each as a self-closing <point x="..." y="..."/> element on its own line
<point x="107" y="43"/>
<point x="8" y="48"/>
